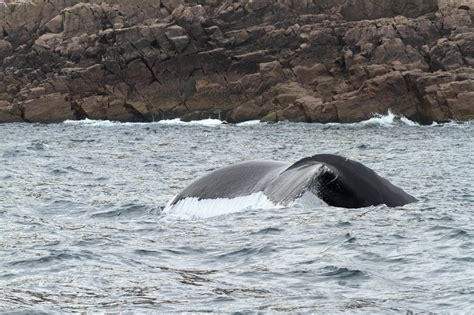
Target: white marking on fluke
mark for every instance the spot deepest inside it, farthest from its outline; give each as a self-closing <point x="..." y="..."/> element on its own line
<point x="193" y="208"/>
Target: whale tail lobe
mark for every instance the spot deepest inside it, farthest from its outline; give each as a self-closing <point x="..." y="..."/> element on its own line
<point x="349" y="184"/>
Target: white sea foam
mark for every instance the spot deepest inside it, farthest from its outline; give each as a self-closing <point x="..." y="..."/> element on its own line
<point x="175" y="121"/>
<point x="193" y="208"/>
<point x="408" y="122"/>
<point x="171" y="122"/>
<point x="107" y="123"/>
<point x="90" y="122"/>
<point x="250" y="123"/>
<point x="388" y="120"/>
<point x="204" y="122"/>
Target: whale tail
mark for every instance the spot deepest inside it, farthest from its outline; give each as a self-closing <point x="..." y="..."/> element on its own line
<point x="318" y="179"/>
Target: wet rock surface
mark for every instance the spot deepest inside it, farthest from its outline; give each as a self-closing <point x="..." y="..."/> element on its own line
<point x="313" y="61"/>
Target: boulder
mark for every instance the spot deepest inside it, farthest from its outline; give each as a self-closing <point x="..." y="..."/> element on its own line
<point x="170" y="5"/>
<point x="244" y="112"/>
<point x="82" y="18"/>
<point x="9" y="113"/>
<point x="51" y="108"/>
<point x="377" y="95"/>
<point x="55" y="25"/>
<point x="94" y="107"/>
<point x="461" y="107"/>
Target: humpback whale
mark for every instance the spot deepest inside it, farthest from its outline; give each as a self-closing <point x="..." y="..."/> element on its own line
<point x="336" y="180"/>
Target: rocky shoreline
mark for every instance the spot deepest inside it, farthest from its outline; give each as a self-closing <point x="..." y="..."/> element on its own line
<point x="296" y="60"/>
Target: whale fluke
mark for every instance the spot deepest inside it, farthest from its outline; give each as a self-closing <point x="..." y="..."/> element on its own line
<point x="336" y="180"/>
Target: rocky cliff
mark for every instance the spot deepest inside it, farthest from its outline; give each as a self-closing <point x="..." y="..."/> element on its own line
<point x="297" y="60"/>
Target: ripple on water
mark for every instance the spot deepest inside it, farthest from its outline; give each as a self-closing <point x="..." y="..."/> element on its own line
<point x="268" y="230"/>
<point x="127" y="211"/>
<point x="51" y="258"/>
<point x="38" y="145"/>
<point x="342" y="273"/>
<point x="248" y="251"/>
<point x="458" y="234"/>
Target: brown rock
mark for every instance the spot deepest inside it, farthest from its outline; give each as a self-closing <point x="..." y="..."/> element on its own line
<point x="312" y="75"/>
<point x="37" y="92"/>
<point x="49" y="41"/>
<point x="294" y="112"/>
<point x="272" y="74"/>
<point x="55" y="25"/>
<point x="456" y="19"/>
<point x="394" y="50"/>
<point x="434" y="108"/>
<point x="82" y="18"/>
<point x="207" y="96"/>
<point x="315" y="111"/>
<point x="179" y="42"/>
<point x="5" y="48"/>
<point x="172" y="4"/>
<point x="9" y="113"/>
<point x="50" y="108"/>
<point x="462" y="107"/>
<point x="27" y="19"/>
<point x="95" y="107"/>
<point x="367" y="9"/>
<point x="378" y="95"/>
<point x="445" y="55"/>
<point x="244" y="112"/>
<point x="117" y="110"/>
<point x="256" y="5"/>
<point x="271" y="117"/>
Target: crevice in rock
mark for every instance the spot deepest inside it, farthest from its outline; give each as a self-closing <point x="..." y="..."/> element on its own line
<point x="78" y="111"/>
<point x="145" y="62"/>
<point x="463" y="58"/>
<point x="411" y="87"/>
<point x="132" y="110"/>
<point x="22" y="113"/>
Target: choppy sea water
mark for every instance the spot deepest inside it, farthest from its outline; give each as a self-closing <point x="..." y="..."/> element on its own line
<point x="82" y="229"/>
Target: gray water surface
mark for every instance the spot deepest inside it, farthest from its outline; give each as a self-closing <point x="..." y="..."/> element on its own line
<point x="81" y="227"/>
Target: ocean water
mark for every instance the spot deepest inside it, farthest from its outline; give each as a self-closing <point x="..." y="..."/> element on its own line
<point x="82" y="228"/>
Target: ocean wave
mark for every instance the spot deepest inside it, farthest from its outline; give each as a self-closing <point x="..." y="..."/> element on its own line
<point x="388" y="120"/>
<point x="391" y="120"/>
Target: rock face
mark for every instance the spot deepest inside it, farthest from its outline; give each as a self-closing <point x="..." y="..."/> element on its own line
<point x="313" y="61"/>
